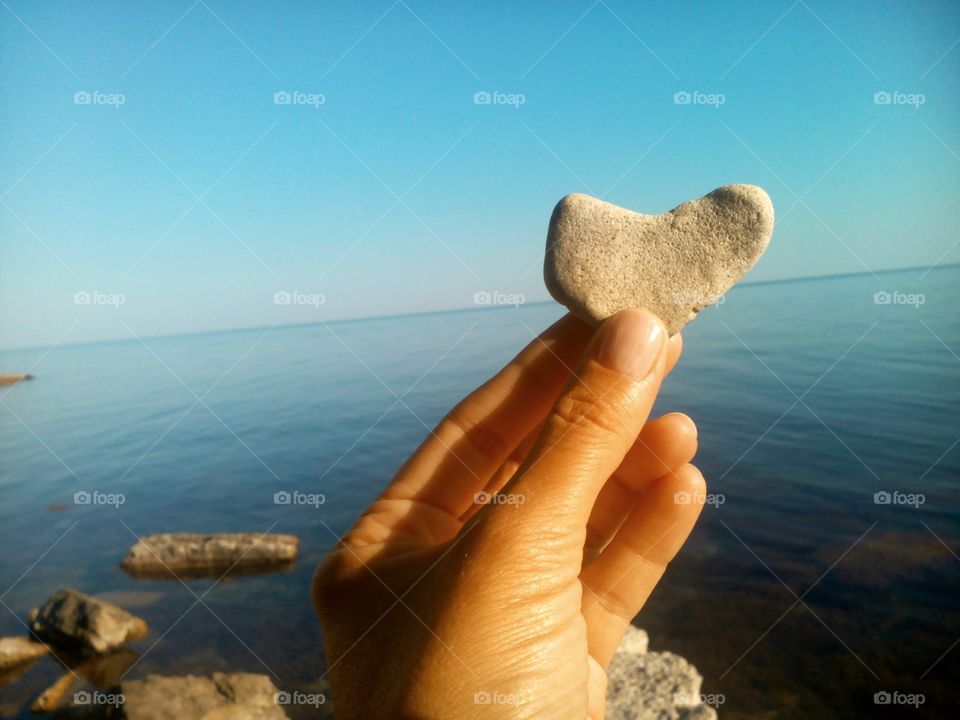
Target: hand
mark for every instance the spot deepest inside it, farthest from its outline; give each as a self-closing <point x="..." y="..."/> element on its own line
<point x="436" y="606"/>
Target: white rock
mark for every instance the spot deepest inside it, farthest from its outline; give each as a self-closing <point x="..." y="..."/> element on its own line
<point x="602" y="258"/>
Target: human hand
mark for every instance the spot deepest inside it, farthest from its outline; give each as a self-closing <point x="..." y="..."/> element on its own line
<point x="436" y="606"/>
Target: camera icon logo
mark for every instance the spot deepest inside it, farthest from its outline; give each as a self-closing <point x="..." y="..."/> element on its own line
<point x="81" y="497"/>
<point x="482" y="98"/>
<point x="82" y="98"/>
<point x="882" y="498"/>
<point x="482" y="297"/>
<point x="682" y="498"/>
<point x="282" y="298"/>
<point x="682" y="98"/>
<point x="882" y="97"/>
<point x="482" y="697"/>
<point x="882" y="698"/>
<point x="882" y="297"/>
<point x="281" y="498"/>
<point x="282" y="98"/>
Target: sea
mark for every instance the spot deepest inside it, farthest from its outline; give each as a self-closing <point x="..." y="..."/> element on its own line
<point x="822" y="581"/>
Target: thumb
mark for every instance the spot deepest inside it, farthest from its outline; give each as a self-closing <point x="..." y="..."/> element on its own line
<point x="592" y="425"/>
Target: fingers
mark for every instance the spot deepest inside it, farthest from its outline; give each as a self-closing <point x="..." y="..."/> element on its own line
<point x="476" y="437"/>
<point x="618" y="582"/>
<point x="592" y="425"/>
<point x="663" y="445"/>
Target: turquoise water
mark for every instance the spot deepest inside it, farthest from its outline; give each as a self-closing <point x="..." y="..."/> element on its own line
<point x="313" y="408"/>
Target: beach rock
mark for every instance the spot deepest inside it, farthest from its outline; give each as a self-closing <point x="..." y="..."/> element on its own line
<point x="13" y="378"/>
<point x="77" y="621"/>
<point x="223" y="696"/>
<point x="602" y="258"/>
<point x="18" y="650"/>
<point x="645" y="685"/>
<point x="194" y="554"/>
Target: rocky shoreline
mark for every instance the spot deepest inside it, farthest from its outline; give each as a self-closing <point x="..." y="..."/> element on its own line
<point x="86" y="637"/>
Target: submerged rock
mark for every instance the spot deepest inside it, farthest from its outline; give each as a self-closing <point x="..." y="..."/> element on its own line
<point x="76" y="621"/>
<point x="602" y="258"/>
<point x="18" y="650"/>
<point x="223" y="696"/>
<point x="194" y="554"/>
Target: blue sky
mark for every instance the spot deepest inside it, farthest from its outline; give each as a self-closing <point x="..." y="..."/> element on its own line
<point x="185" y="190"/>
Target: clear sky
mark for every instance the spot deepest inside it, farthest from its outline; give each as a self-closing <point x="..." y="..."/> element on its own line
<point x="178" y="185"/>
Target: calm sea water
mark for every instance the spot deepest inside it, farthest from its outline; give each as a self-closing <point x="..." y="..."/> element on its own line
<point x="797" y="597"/>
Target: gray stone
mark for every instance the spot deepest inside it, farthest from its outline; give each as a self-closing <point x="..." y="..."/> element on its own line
<point x="18" y="650"/>
<point x="77" y="621"/>
<point x="223" y="696"/>
<point x="645" y="685"/>
<point x="194" y="554"/>
<point x="602" y="258"/>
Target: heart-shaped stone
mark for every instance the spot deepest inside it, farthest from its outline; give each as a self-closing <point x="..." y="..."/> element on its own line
<point x="602" y="258"/>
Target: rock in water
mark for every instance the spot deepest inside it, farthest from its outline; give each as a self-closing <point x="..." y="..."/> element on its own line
<point x="14" y="378"/>
<point x="17" y="650"/>
<point x="77" y="621"/>
<point x="602" y="258"/>
<point x="224" y="696"/>
<point x="194" y="554"/>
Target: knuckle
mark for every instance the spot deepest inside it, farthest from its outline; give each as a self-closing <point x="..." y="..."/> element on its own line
<point x="579" y="407"/>
<point x="485" y="440"/>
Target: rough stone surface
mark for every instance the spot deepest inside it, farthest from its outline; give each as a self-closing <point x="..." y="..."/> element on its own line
<point x="602" y="258"/>
<point x="198" y="554"/>
<point x="645" y="685"/>
<point x="77" y="621"/>
<point x="223" y="696"/>
<point x="17" y="650"/>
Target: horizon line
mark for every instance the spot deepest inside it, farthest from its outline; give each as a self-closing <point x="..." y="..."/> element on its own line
<point x="445" y="311"/>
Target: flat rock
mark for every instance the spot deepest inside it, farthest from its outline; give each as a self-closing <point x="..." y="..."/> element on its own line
<point x="14" y="378"/>
<point x="76" y="621"/>
<point x="602" y="258"/>
<point x="644" y="685"/>
<point x="195" y="554"/>
<point x="20" y="649"/>
<point x="223" y="696"/>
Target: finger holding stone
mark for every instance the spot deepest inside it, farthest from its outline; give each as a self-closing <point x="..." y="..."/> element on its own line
<point x="664" y="444"/>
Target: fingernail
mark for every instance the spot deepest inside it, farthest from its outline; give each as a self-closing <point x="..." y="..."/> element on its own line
<point x="632" y="342"/>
